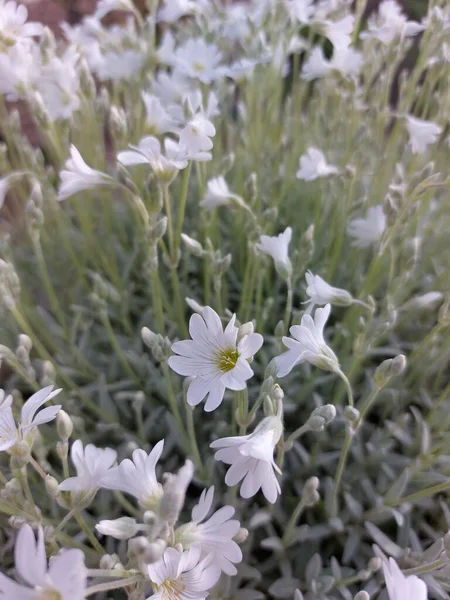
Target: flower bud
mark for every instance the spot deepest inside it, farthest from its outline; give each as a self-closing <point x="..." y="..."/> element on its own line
<point x="241" y="535"/>
<point x="120" y="529"/>
<point x="192" y="245"/>
<point x="194" y="305"/>
<point x="25" y="342"/>
<point x="327" y="412"/>
<point x="155" y="551"/>
<point x="159" y="229"/>
<point x="110" y="562"/>
<point x="316" y="423"/>
<point x="388" y="369"/>
<point x="375" y="564"/>
<point x="310" y="494"/>
<point x="175" y="487"/>
<point x="62" y="449"/>
<point x="138" y="546"/>
<point x="362" y="596"/>
<point x="64" y="425"/>
<point x="245" y="329"/>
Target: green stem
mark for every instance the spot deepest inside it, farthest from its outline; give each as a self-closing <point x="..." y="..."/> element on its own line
<point x="169" y="222"/>
<point x="347" y="386"/>
<point x="117" y="348"/>
<point x="292" y="523"/>
<point x="288" y="309"/>
<point x="431" y="491"/>
<point x="112" y="585"/>
<point x="182" y="207"/>
<point x="432" y="566"/>
<point x="193" y="441"/>
<point x="340" y="472"/>
<point x="89" y="533"/>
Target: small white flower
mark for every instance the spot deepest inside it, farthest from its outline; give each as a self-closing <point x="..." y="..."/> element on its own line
<point x="320" y="292"/>
<point x="196" y="136"/>
<point x="121" y="529"/>
<point x="120" y="65"/>
<point x="182" y="575"/>
<point x="401" y="587"/>
<point x="300" y="10"/>
<point x="421" y="134"/>
<point x="316" y="65"/>
<point x="251" y="459"/>
<point x="148" y="151"/>
<point x="59" y="84"/>
<point x="78" y="176"/>
<point x="63" y="579"/>
<point x="214" y="535"/>
<point x="161" y="119"/>
<point x="308" y="345"/>
<point x="10" y="433"/>
<point x="91" y="464"/>
<point x="214" y="358"/>
<point x="314" y="165"/>
<point x="345" y="60"/>
<point x="368" y="231"/>
<point x="339" y="32"/>
<point x="172" y="10"/>
<point x="390" y="23"/>
<point x="218" y="194"/>
<point x="278" y="248"/>
<point x="137" y="477"/>
<point x="198" y="60"/>
<point x="19" y="71"/>
<point x="13" y="25"/>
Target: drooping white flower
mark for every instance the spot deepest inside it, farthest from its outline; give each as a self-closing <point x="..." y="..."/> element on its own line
<point x="78" y="176"/>
<point x="314" y="165"/>
<point x="400" y="586"/>
<point x="195" y="138"/>
<point x="10" y="432"/>
<point x="278" y="248"/>
<point x="159" y="118"/>
<point x="214" y="535"/>
<point x="251" y="459"/>
<point x="63" y="579"/>
<point x="91" y="464"/>
<point x="182" y="575"/>
<point x="320" y="292"/>
<point x="137" y="477"/>
<point x="368" y="231"/>
<point x="421" y="134"/>
<point x="198" y="60"/>
<point x="214" y="358"/>
<point x="13" y="24"/>
<point x="121" y="529"/>
<point x="390" y="23"/>
<point x="218" y="194"/>
<point x="172" y="10"/>
<point x="308" y="345"/>
<point x="148" y="151"/>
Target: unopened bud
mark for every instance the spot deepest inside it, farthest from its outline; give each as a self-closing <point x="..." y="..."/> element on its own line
<point x="194" y="305"/>
<point x="148" y="337"/>
<point x="241" y="535"/>
<point x="192" y="245"/>
<point x="277" y="393"/>
<point x="327" y="412"/>
<point x="392" y="367"/>
<point x="375" y="564"/>
<point x="362" y="596"/>
<point x="21" y="452"/>
<point x="351" y="414"/>
<point x="316" y="423"/>
<point x="64" y="425"/>
<point x="364" y="574"/>
<point x="109" y="562"/>
<point x="25" y="342"/>
<point x="245" y="329"/>
<point x="284" y="268"/>
<point x="155" y="551"/>
<point x="52" y="486"/>
<point x="62" y="449"/>
<point x="138" y="546"/>
<point x="120" y="529"/>
<point x="310" y="494"/>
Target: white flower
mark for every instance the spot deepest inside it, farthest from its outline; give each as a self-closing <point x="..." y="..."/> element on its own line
<point x="63" y="579"/>
<point x="59" y="83"/>
<point x="218" y="194"/>
<point x="182" y="575"/>
<point x="300" y="10"/>
<point x="78" y="176"/>
<point x="137" y="477"/>
<point x="214" y="358"/>
<point x="91" y="464"/>
<point x="368" y="231"/>
<point x="316" y="65"/>
<point x="214" y="535"/>
<point x="421" y="134"/>
<point x="345" y="61"/>
<point x="401" y="587"/>
<point x="148" y="151"/>
<point x="174" y="492"/>
<point x="198" y="60"/>
<point x="251" y="459"/>
<point x="121" y="529"/>
<point x="161" y="119"/>
<point x="195" y="138"/>
<point x="307" y="345"/>
<point x="313" y="165"/>
<point x="278" y="248"/>
<point x="13" y="25"/>
<point x="320" y="292"/>
<point x="171" y="88"/>
<point x="106" y="6"/>
<point x="390" y="23"/>
<point x="339" y="32"/>
<point x="120" y="65"/>
<point x="10" y="433"/>
<point x="19" y="70"/>
<point x="172" y="10"/>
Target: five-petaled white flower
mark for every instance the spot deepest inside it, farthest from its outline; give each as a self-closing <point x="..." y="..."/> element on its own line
<point x="10" y="433"/>
<point x="308" y="345"/>
<point x="300" y="10"/>
<point x="198" y="60"/>
<point x="13" y="25"/>
<point x="148" y="151"/>
<point x="218" y="194"/>
<point x="368" y="231"/>
<point x="63" y="579"/>
<point x="159" y="118"/>
<point x="91" y="464"/>
<point x="421" y="134"/>
<point x="251" y="459"/>
<point x="214" y="358"/>
<point x="137" y="477"/>
<point x="78" y="176"/>
<point x="195" y="138"/>
<point x="182" y="575"/>
<point x="214" y="535"/>
<point x="401" y="587"/>
<point x="320" y="292"/>
<point x="277" y="247"/>
<point x="345" y="60"/>
<point x="390" y="23"/>
<point x="314" y="165"/>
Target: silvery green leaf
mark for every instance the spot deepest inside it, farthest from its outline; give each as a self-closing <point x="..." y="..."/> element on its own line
<point x="298" y="595"/>
<point x="325" y="583"/>
<point x="398" y="488"/>
<point x="335" y="568"/>
<point x="313" y="568"/>
<point x="353" y="505"/>
<point x="260" y="518"/>
<point x="248" y="594"/>
<point x="248" y="572"/>
<point x="382" y="540"/>
<point x="284" y="587"/>
<point x="272" y="543"/>
<point x="434" y="587"/>
<point x="352" y="543"/>
<point x="434" y="551"/>
<point x="299" y="534"/>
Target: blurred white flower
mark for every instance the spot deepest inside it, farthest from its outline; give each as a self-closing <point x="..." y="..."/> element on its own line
<point x="172" y="10"/>
<point x="182" y="575"/>
<point x="148" y="151"/>
<point x="63" y="579"/>
<point x="137" y="477"/>
<point x="159" y="118"/>
<point x="368" y="231"/>
<point x="170" y="88"/>
<point x="218" y="194"/>
<point x="401" y="587"/>
<point x="13" y="25"/>
<point x="30" y="419"/>
<point x="214" y="358"/>
<point x="339" y="32"/>
<point x="314" y="165"/>
<point x="91" y="464"/>
<point x="195" y="138"/>
<point x="121" y="64"/>
<point x="78" y="176"/>
<point x="345" y="60"/>
<point x="198" y="60"/>
<point x="300" y="10"/>
<point x="278" y="248"/>
<point x="308" y="345"/>
<point x="421" y="134"/>
<point x="174" y="493"/>
<point x="19" y="71"/>
<point x="59" y="84"/>
<point x="320" y="292"/>
<point x="390" y="23"/>
<point x="4" y="186"/>
<point x="251" y="459"/>
<point x="214" y="535"/>
<point x="106" y="6"/>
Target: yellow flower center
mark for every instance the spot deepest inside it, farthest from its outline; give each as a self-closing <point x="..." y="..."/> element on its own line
<point x="198" y="67"/>
<point x="172" y="589"/>
<point x="48" y="594"/>
<point x="227" y="359"/>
